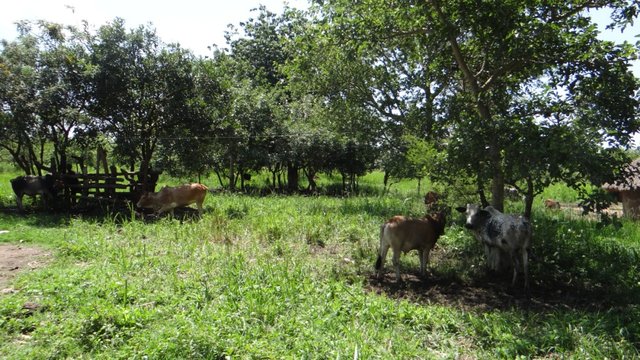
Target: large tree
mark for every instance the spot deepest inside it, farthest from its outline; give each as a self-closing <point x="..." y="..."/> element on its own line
<point x="19" y="133"/>
<point x="519" y="68"/>
<point x="46" y="93"/>
<point x="259" y="54"/>
<point x="142" y="89"/>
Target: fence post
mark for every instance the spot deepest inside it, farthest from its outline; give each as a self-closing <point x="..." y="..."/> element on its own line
<point x="85" y="186"/>
<point x="112" y="181"/>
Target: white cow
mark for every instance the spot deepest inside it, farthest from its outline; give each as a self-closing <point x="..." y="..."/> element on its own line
<point x="509" y="233"/>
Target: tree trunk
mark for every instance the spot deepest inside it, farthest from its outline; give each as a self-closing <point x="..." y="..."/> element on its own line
<point x="385" y="180"/>
<point x="495" y="159"/>
<point x="311" y="179"/>
<point x="232" y="173"/>
<point x="528" y="199"/>
<point x="219" y="178"/>
<point x="483" y="197"/>
<point x="292" y="177"/>
<point x="495" y="163"/>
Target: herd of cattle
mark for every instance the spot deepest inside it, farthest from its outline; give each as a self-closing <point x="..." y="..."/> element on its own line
<point x="168" y="198"/>
<point x="500" y="234"/>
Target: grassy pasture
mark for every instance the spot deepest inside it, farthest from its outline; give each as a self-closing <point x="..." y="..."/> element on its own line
<point x="291" y="277"/>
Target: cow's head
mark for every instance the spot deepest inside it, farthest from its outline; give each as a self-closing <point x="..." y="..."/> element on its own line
<point x="475" y="216"/>
<point x="53" y="183"/>
<point x="146" y="200"/>
<point x="431" y="197"/>
<point x="439" y="219"/>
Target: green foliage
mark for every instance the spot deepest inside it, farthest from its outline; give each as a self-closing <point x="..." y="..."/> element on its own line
<point x="45" y="94"/>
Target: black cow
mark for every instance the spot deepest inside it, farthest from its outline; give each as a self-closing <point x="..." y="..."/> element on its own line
<point x="508" y="233"/>
<point x="46" y="186"/>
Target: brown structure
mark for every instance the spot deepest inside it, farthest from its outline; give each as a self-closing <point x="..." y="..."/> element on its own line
<point x="628" y="190"/>
<point x="106" y="185"/>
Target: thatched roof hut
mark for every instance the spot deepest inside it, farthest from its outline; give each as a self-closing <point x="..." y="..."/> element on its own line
<point x="628" y="190"/>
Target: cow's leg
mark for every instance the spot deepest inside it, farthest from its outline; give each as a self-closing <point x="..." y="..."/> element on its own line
<point x="515" y="260"/>
<point x="525" y="268"/>
<point x="514" y="263"/>
<point x="47" y="200"/>
<point x="19" y="202"/>
<point x="199" y="205"/>
<point x="421" y="256"/>
<point x="165" y="208"/>
<point x="384" y="248"/>
<point x="424" y="261"/>
<point x="396" y="263"/>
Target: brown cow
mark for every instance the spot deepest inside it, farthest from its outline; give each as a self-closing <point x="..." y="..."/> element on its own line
<point x="551" y="204"/>
<point x="404" y="234"/>
<point x="431" y="197"/>
<point x="432" y="201"/>
<point x="169" y="198"/>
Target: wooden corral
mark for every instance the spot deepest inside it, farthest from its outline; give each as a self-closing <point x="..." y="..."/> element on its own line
<point x="115" y="186"/>
<point x="627" y="190"/>
<point x="111" y="186"/>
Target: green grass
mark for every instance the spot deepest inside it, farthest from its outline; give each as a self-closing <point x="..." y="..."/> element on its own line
<point x="290" y="277"/>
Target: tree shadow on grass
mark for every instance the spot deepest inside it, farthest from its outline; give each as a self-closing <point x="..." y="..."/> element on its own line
<point x="547" y="318"/>
<point x="494" y="292"/>
<point x="572" y="267"/>
<point x="100" y="213"/>
<point x="34" y="217"/>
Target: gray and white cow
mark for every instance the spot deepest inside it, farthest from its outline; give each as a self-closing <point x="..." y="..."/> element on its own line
<point x="46" y="186"/>
<point x="501" y="232"/>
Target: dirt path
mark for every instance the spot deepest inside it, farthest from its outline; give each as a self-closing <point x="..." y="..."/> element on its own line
<point x="17" y="258"/>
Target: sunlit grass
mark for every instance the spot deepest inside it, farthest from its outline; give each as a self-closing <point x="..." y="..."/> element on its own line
<point x="289" y="277"/>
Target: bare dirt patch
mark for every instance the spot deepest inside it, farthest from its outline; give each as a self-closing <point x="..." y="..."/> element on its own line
<point x="15" y="258"/>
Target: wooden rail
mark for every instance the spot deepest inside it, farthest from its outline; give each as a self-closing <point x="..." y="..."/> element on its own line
<point x="114" y="186"/>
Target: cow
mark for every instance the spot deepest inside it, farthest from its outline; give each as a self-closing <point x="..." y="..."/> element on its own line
<point x="497" y="231"/>
<point x="169" y="198"/>
<point x="46" y="186"/>
<point x="512" y="193"/>
<point x="431" y="199"/>
<point x="404" y="234"/>
<point x="551" y="204"/>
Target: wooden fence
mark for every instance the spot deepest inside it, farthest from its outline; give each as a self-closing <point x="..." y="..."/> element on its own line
<point x="116" y="186"/>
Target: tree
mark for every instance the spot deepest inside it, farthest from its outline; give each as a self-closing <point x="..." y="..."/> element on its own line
<point x="46" y="93"/>
<point x="194" y="146"/>
<point x="501" y="56"/>
<point x="396" y="80"/>
<point x="20" y="134"/>
<point x="545" y="48"/>
<point x="258" y="58"/>
<point x="142" y="89"/>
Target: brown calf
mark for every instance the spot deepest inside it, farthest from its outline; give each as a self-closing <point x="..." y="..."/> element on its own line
<point x="551" y="204"/>
<point x="404" y="234"/>
<point x="169" y="198"/>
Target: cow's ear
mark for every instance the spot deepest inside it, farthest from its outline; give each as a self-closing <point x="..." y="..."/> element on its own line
<point x="461" y="209"/>
<point x="483" y="214"/>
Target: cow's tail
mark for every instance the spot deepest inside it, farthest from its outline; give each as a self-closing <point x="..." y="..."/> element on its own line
<point x="203" y="187"/>
<point x="379" y="260"/>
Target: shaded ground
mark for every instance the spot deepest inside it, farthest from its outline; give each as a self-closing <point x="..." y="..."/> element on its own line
<point x="17" y="258"/>
<point x="486" y="294"/>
